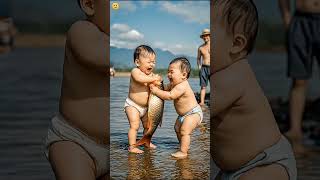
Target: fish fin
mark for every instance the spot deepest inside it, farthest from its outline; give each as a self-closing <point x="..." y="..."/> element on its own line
<point x="145" y="140"/>
<point x="160" y="122"/>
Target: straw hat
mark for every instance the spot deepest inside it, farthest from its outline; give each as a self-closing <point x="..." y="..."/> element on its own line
<point x="205" y="32"/>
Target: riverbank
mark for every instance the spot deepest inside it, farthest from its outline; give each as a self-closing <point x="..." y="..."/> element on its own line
<point x="122" y="74"/>
<point x="58" y="40"/>
<point x="39" y="40"/>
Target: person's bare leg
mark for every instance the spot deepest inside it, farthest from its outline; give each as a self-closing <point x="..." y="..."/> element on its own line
<point x="297" y="103"/>
<point x="189" y="124"/>
<point x="145" y="129"/>
<point x="70" y="161"/>
<point x="296" y="109"/>
<point x="177" y="130"/>
<point x="273" y="171"/>
<point x="134" y="120"/>
<point x="202" y="95"/>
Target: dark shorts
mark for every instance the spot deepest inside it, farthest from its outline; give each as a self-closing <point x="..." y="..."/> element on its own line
<point x="303" y="44"/>
<point x="204" y="75"/>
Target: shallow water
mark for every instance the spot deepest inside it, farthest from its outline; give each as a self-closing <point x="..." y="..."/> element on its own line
<point x="155" y="164"/>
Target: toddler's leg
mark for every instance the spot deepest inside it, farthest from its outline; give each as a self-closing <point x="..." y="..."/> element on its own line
<point x="188" y="125"/>
<point x="70" y="161"/>
<point x="134" y="121"/>
<point x="177" y="129"/>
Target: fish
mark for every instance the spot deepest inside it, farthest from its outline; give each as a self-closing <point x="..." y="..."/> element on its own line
<point x="155" y="114"/>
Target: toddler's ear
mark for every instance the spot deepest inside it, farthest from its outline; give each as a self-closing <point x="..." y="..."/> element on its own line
<point x="184" y="74"/>
<point x="136" y="61"/>
<point x="239" y="44"/>
<point x="87" y="6"/>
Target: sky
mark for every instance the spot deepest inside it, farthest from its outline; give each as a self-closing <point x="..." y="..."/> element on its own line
<point x="169" y="25"/>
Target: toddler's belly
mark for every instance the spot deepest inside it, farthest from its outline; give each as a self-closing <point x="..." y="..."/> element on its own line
<point x="89" y="116"/>
<point x="233" y="151"/>
<point x="140" y="98"/>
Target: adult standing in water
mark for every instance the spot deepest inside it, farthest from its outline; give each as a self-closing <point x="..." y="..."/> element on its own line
<point x="303" y="44"/>
<point x="204" y="65"/>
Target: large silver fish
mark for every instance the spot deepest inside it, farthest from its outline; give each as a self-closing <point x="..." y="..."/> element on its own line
<point x="155" y="112"/>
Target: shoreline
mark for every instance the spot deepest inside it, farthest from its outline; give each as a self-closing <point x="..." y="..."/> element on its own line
<point x="39" y="40"/>
<point x="122" y="74"/>
<point x="58" y="40"/>
<point x="128" y="73"/>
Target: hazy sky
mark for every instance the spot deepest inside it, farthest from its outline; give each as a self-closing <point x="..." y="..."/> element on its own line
<point x="168" y="25"/>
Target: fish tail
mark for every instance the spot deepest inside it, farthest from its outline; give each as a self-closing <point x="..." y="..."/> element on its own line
<point x="145" y="140"/>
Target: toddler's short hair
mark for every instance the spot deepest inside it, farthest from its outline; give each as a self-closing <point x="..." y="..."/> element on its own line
<point x="141" y="50"/>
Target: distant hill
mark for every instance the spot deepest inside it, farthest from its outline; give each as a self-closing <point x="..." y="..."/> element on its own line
<point x="123" y="58"/>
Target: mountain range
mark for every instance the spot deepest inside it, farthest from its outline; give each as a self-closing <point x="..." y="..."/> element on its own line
<point x="123" y="58"/>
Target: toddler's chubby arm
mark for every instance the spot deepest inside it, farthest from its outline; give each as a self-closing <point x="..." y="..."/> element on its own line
<point x="227" y="89"/>
<point x="141" y="77"/>
<point x="173" y="94"/>
<point x="89" y="45"/>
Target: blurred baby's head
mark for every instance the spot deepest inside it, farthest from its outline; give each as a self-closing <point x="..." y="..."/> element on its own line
<point x="97" y="11"/>
<point x="235" y="26"/>
<point x="240" y="17"/>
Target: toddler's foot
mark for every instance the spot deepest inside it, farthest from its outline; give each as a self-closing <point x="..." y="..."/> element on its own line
<point x="134" y="150"/>
<point x="179" y="154"/>
<point x="152" y="146"/>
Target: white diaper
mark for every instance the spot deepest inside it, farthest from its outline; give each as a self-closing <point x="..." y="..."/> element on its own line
<point x="142" y="110"/>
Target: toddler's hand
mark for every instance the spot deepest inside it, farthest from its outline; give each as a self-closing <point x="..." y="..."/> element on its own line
<point x="153" y="88"/>
<point x="158" y="77"/>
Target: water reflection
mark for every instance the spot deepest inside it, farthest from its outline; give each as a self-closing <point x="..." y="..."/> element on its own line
<point x="184" y="168"/>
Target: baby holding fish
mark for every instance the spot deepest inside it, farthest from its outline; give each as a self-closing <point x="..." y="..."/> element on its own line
<point x="185" y="103"/>
<point x="136" y="105"/>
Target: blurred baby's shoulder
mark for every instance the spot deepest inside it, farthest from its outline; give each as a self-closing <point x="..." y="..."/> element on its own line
<point x="80" y="28"/>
